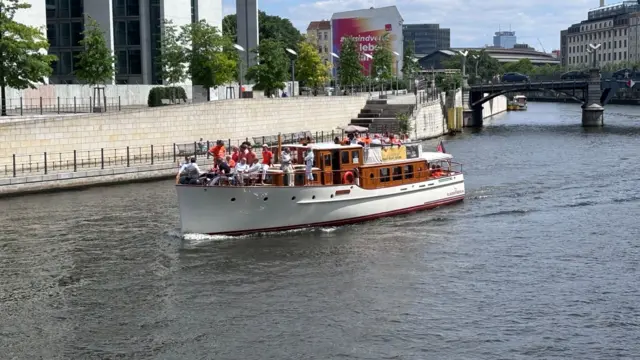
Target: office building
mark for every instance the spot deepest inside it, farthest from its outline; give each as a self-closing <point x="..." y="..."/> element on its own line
<point x="563" y="48"/>
<point x="614" y="27"/>
<point x="319" y="34"/>
<point x="132" y="31"/>
<point x="426" y="38"/>
<point x="505" y="39"/>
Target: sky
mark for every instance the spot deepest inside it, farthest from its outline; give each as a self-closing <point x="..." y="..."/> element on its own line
<point x="472" y="22"/>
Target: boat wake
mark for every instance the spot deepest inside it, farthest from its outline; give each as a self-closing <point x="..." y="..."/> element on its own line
<point x="194" y="239"/>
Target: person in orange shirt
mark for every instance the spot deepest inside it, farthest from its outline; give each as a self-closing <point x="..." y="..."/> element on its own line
<point x="267" y="160"/>
<point x="218" y="151"/>
<point x="235" y="152"/>
<point x="230" y="161"/>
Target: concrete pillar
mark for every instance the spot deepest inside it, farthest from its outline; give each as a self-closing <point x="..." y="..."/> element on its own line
<point x="593" y="116"/>
<point x="102" y="12"/>
<point x="145" y="39"/>
<point x="247" y="30"/>
<point x="593" y="112"/>
<point x="472" y="116"/>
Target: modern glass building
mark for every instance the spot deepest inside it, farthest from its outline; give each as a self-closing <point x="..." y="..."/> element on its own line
<point x="426" y="38"/>
<point x="132" y="30"/>
<point x="505" y="39"/>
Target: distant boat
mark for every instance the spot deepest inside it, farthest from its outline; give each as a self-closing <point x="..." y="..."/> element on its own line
<point x="518" y="103"/>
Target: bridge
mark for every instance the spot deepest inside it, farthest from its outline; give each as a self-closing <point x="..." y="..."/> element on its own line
<point x="594" y="93"/>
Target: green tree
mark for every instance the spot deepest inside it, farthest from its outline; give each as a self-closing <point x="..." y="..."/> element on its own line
<point x="271" y="72"/>
<point x="382" y="63"/>
<point x="23" y="61"/>
<point x="172" y="59"/>
<point x="449" y="82"/>
<point x="309" y="66"/>
<point x="523" y="66"/>
<point x="96" y="62"/>
<point x="409" y="66"/>
<point x="349" y="66"/>
<point x="487" y="66"/>
<point x="210" y="55"/>
<point x="269" y="28"/>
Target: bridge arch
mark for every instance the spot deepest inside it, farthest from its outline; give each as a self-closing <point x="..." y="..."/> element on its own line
<point x="523" y="89"/>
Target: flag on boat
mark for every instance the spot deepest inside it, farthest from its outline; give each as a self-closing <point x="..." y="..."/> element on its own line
<point x="631" y="83"/>
<point x="440" y="147"/>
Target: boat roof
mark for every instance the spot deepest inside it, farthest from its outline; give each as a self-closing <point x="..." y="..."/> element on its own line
<point x="435" y="156"/>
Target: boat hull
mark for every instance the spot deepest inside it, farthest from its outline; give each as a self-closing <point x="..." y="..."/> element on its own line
<point x="228" y="210"/>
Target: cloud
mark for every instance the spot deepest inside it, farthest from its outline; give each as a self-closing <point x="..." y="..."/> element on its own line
<point x="472" y="23"/>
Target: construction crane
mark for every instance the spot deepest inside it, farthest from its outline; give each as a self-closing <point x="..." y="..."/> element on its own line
<point x="542" y="46"/>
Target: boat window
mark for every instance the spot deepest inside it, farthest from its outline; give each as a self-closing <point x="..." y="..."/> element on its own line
<point x="384" y="174"/>
<point x="408" y="171"/>
<point x="327" y="160"/>
<point x="344" y="157"/>
<point x="397" y="173"/>
<point x="355" y="157"/>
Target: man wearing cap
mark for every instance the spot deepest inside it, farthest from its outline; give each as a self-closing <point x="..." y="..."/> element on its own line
<point x="267" y="160"/>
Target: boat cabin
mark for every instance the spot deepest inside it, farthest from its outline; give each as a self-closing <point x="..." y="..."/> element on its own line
<point x="376" y="166"/>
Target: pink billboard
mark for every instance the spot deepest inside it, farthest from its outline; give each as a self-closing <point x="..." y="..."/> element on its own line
<point x="367" y="32"/>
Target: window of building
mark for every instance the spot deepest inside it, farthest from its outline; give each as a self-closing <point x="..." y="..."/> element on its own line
<point x="76" y="33"/>
<point x="77" y="8"/>
<point x="614" y="56"/>
<point x="624" y="54"/>
<point x="120" y="33"/>
<point x="133" y="8"/>
<point x="326" y="35"/>
<point x="65" y="34"/>
<point x="119" y="7"/>
<point x="135" y="63"/>
<point x="51" y="9"/>
<point x="65" y="63"/>
<point x="54" y="64"/>
<point x="52" y="34"/>
<point x="384" y="175"/>
<point x="609" y="57"/>
<point x="121" y="63"/>
<point x="133" y="32"/>
<point x="63" y="9"/>
<point x="625" y="42"/>
<point x="320" y="49"/>
<point x="74" y="60"/>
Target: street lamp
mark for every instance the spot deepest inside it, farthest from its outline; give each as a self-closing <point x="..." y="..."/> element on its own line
<point x="370" y="59"/>
<point x="594" y="47"/>
<point x="335" y="77"/>
<point x="240" y="49"/>
<point x="293" y="70"/>
<point x="475" y="74"/>
<point x="397" y="61"/>
<point x="464" y="67"/>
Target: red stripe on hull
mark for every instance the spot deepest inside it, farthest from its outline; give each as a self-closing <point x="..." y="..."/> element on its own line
<point x="354" y="220"/>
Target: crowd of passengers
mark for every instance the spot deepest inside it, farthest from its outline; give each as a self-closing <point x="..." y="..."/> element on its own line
<point x="242" y="165"/>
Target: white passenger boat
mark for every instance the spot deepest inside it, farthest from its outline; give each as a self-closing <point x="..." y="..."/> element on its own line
<point x="350" y="184"/>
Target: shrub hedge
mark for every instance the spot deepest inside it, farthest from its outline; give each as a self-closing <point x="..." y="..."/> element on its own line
<point x="171" y="93"/>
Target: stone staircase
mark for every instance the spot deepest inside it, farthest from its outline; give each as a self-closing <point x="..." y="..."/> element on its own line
<point x="380" y="117"/>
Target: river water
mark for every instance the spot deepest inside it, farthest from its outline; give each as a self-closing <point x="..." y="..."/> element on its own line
<point x="541" y="261"/>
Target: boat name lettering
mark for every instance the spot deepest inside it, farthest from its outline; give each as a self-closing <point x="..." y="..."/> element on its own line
<point x="455" y="192"/>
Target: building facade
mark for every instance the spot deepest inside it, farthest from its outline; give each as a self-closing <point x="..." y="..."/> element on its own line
<point x="132" y="31"/>
<point x="563" y="48"/>
<point x="505" y="39"/>
<point x="368" y="26"/>
<point x="426" y="38"/>
<point x="614" y="27"/>
<point x="319" y="34"/>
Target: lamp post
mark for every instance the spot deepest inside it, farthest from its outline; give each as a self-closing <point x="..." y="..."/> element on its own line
<point x="335" y="56"/>
<point x="594" y="47"/>
<point x="240" y="49"/>
<point x="293" y="70"/>
<point x="397" y="71"/>
<point x="370" y="59"/>
<point x="475" y="74"/>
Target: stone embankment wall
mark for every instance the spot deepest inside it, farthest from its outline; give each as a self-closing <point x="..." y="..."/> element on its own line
<point x="229" y="119"/>
<point x="431" y="120"/>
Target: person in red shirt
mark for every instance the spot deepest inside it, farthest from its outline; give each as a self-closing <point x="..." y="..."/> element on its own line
<point x="267" y="160"/>
<point x="218" y="150"/>
<point x="235" y="153"/>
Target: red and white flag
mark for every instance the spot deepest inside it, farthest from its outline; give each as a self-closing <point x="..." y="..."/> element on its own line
<point x="631" y="83"/>
<point x="440" y="147"/>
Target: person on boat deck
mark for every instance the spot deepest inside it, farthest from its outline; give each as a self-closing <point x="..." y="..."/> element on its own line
<point x="308" y="167"/>
<point x="235" y="153"/>
<point x="229" y="160"/>
<point x="376" y="140"/>
<point x="189" y="173"/>
<point x="240" y="171"/>
<point x="223" y="171"/>
<point x="184" y="162"/>
<point x="267" y="160"/>
<point x="250" y="155"/>
<point x="218" y="150"/>
<point x="337" y="141"/>
<point x="286" y="166"/>
<point x="254" y="169"/>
